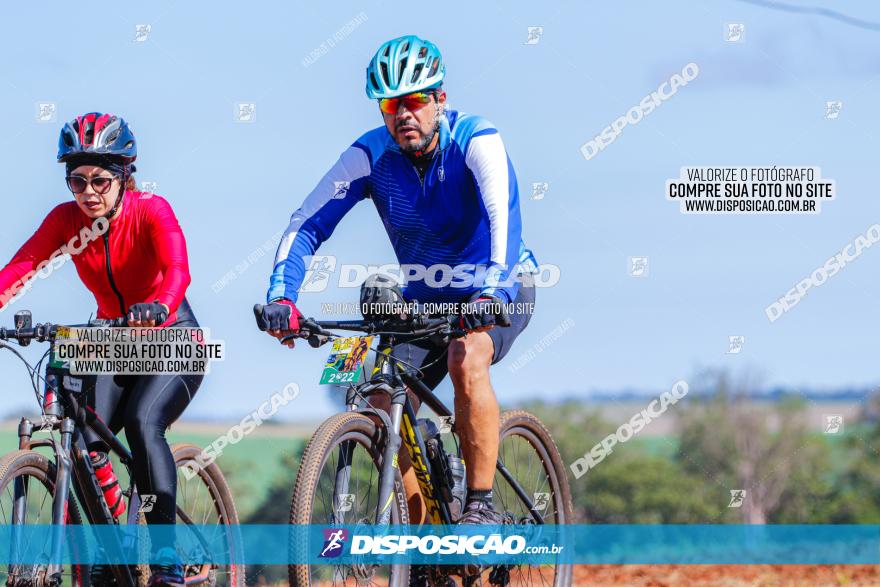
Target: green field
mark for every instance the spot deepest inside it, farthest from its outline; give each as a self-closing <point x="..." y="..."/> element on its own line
<point x="268" y="457"/>
<point x="252" y="466"/>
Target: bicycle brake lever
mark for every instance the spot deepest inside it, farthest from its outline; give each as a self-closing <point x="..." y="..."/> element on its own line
<point x="289" y="337"/>
<point x="317" y="340"/>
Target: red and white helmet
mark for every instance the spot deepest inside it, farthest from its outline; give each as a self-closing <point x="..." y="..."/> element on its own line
<point x="97" y="134"/>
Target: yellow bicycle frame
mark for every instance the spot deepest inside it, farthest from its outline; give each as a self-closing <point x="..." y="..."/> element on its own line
<point x="417" y="459"/>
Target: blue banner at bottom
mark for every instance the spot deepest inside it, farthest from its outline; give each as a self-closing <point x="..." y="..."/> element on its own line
<point x="488" y="545"/>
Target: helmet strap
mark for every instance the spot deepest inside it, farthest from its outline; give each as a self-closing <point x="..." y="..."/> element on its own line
<point x="119" y="197"/>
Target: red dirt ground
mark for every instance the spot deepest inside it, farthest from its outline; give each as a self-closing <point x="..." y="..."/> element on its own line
<point x="712" y="576"/>
<point x="726" y="575"/>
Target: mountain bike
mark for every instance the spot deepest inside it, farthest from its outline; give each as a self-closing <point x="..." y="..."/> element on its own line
<point x="35" y="488"/>
<point x="349" y="473"/>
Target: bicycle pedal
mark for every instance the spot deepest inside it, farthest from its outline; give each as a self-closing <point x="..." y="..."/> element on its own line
<point x="499" y="575"/>
<point x="440" y="578"/>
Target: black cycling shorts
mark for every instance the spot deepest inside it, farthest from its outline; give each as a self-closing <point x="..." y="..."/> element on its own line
<point x="145" y="405"/>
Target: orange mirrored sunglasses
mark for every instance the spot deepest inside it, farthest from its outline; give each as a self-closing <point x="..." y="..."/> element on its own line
<point x="412" y="101"/>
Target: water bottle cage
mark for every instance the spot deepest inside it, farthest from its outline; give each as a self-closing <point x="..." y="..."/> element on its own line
<point x="451" y="489"/>
<point x="440" y="465"/>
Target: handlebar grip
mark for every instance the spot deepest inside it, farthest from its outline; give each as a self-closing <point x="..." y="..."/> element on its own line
<point x="120" y="322"/>
<point x="24" y="336"/>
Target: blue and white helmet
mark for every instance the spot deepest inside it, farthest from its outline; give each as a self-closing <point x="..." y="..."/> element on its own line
<point x="402" y="66"/>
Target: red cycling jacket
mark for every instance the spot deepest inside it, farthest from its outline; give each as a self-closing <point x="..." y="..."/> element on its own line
<point x="147" y="258"/>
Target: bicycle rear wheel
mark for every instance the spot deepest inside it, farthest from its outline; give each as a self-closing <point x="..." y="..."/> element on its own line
<point x="528" y="451"/>
<point x="337" y="484"/>
<point x="27" y="479"/>
<point x="204" y="500"/>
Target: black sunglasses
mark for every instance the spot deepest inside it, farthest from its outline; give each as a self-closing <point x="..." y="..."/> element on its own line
<point x="100" y="184"/>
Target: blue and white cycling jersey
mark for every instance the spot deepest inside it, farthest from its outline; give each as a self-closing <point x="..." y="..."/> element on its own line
<point x="465" y="212"/>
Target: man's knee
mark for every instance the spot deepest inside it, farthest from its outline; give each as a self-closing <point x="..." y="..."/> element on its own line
<point x="470" y="357"/>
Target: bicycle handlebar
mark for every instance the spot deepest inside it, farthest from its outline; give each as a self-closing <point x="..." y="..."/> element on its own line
<point x="317" y="332"/>
<point x="47" y="332"/>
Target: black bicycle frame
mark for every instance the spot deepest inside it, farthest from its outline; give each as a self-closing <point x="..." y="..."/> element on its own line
<point x="77" y="469"/>
<point x="74" y="466"/>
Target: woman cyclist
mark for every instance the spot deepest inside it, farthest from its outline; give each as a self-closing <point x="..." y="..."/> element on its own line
<point x="137" y="268"/>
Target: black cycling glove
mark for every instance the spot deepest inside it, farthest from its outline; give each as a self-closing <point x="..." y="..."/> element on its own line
<point x="484" y="311"/>
<point x="148" y="311"/>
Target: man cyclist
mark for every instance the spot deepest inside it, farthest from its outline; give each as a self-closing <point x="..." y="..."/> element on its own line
<point x="446" y="193"/>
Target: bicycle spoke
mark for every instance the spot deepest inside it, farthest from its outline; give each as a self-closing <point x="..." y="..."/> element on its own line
<point x="344" y="488"/>
<point x="526" y="455"/>
<point x="204" y="515"/>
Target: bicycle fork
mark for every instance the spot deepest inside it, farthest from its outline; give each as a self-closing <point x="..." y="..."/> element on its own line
<point x="389" y="458"/>
<point x="60" y="498"/>
<point x="62" y="495"/>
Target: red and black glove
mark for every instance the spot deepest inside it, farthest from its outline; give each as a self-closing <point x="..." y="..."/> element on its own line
<point x="279" y="315"/>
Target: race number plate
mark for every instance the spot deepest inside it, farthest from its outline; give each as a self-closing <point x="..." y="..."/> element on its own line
<point x="62" y="333"/>
<point x="344" y="363"/>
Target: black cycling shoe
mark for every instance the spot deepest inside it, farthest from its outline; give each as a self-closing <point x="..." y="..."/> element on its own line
<point x="480" y="512"/>
<point x="101" y="575"/>
<point x="168" y="572"/>
<point x="166" y="576"/>
<point x="477" y="512"/>
<point x="428" y="576"/>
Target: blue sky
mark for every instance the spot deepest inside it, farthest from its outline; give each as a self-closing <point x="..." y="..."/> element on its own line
<point x="234" y="185"/>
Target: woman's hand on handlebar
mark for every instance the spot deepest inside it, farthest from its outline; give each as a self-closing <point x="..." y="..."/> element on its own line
<point x="147" y="314"/>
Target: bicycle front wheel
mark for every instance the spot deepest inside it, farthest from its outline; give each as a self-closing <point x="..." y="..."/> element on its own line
<point x="337" y="484"/>
<point x="27" y="491"/>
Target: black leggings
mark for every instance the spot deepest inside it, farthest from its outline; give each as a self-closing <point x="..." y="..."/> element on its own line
<point x="145" y="405"/>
